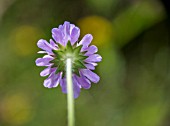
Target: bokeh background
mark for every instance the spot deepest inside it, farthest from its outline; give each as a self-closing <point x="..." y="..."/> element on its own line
<point x="133" y="37"/>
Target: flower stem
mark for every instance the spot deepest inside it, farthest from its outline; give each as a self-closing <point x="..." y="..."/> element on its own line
<point x="70" y="93"/>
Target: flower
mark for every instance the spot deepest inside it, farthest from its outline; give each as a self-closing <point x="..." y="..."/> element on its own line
<point x="65" y="45"/>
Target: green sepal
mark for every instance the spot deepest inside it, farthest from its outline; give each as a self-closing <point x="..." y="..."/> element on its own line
<point x="54" y="51"/>
<point x="69" y="47"/>
<point x="76" y="71"/>
<point x="79" y="64"/>
<point x="55" y="61"/>
<point x="84" y="52"/>
<point x="59" y="54"/>
<point x="63" y="74"/>
<point x="82" y="57"/>
<point x="60" y="68"/>
<point x="60" y="46"/>
<point x="53" y="66"/>
<point x="77" y="49"/>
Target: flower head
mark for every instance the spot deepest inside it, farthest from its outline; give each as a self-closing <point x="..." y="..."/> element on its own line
<point x="65" y="45"/>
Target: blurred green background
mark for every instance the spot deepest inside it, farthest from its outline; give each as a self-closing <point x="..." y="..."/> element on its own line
<point x="133" y="37"/>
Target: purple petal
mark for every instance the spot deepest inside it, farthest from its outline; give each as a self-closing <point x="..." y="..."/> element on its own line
<point x="53" y="80"/>
<point x="44" y="61"/>
<point x="43" y="44"/>
<point x="41" y="52"/>
<point x="63" y="85"/>
<point x="93" y="58"/>
<point x="45" y="72"/>
<point x="74" y="35"/>
<point x="91" y="50"/>
<point x="61" y="27"/>
<point x="66" y="27"/>
<point x="66" y="32"/>
<point x="71" y="27"/>
<point x="48" y="81"/>
<point x="56" y="80"/>
<point x="90" y="66"/>
<point x="76" y="87"/>
<point x="90" y="75"/>
<point x="52" y="43"/>
<point x="83" y="81"/>
<point x="57" y="35"/>
<point x="86" y="41"/>
<point x="94" y="64"/>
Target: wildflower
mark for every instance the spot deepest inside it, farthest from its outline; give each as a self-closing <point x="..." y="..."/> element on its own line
<point x="65" y="45"/>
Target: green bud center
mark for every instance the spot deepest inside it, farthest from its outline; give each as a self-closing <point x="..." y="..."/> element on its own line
<point x="69" y="51"/>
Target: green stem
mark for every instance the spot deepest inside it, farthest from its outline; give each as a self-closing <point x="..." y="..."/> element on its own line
<point x="70" y="93"/>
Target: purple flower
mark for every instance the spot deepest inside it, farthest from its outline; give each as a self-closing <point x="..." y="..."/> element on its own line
<point x="65" y="45"/>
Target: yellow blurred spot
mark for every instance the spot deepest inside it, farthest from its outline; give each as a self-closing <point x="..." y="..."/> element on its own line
<point x="16" y="109"/>
<point x="99" y="27"/>
<point x="24" y="39"/>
